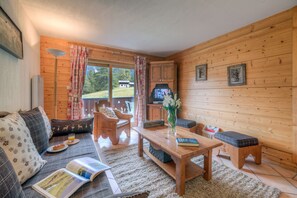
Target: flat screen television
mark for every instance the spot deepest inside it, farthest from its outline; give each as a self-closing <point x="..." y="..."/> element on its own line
<point x="159" y="91"/>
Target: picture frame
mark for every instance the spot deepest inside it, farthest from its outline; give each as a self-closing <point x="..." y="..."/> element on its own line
<point x="10" y="36"/>
<point x="201" y="72"/>
<point x="237" y="75"/>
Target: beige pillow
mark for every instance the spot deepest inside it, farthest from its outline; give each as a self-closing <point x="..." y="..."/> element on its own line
<point x="108" y="112"/>
<point x="18" y="145"/>
<point x="46" y="122"/>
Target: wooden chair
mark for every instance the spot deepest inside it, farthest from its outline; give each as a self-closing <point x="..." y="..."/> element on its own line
<point x="105" y="126"/>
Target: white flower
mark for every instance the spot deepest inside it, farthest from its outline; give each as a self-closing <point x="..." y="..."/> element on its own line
<point x="171" y="102"/>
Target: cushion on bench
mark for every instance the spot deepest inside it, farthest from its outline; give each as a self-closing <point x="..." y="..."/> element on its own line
<point x="237" y="139"/>
<point x="185" y="123"/>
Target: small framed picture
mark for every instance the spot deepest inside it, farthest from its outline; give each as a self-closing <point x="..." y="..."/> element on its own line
<point x="237" y="75"/>
<point x="201" y="72"/>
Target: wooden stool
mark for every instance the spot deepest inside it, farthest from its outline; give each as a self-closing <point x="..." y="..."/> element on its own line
<point x="239" y="146"/>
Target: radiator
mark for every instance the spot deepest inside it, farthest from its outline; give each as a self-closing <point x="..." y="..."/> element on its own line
<point x="37" y="91"/>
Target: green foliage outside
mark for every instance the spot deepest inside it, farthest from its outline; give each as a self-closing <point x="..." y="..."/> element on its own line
<point x="97" y="78"/>
<point x="117" y="93"/>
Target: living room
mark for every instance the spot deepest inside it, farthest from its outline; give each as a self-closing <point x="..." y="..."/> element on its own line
<point x="231" y="64"/>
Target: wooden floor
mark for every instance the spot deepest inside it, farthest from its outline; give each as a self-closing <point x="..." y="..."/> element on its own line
<point x="270" y="174"/>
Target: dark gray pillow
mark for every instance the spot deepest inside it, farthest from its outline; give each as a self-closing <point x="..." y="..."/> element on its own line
<point x="10" y="186"/>
<point x="63" y="127"/>
<point x="36" y="126"/>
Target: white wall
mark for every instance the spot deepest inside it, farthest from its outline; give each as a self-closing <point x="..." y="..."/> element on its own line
<point x="15" y="74"/>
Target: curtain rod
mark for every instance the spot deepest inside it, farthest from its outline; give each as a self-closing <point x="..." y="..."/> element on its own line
<point x="117" y="63"/>
<point x="113" y="51"/>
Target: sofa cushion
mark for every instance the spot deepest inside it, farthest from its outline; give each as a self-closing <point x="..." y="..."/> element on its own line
<point x="18" y="145"/>
<point x="46" y="122"/>
<point x="108" y="112"/>
<point x="64" y="127"/>
<point x="100" y="187"/>
<point x="35" y="123"/>
<point x="236" y="139"/>
<point x="10" y="186"/>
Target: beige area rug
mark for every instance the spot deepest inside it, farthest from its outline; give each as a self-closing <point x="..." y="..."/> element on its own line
<point x="133" y="173"/>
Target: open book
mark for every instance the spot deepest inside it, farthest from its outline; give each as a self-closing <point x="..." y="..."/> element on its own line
<point x="64" y="182"/>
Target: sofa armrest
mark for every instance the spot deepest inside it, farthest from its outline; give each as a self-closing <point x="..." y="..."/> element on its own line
<point x="125" y="116"/>
<point x="131" y="194"/>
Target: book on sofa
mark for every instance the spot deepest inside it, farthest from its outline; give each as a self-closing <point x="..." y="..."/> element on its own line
<point x="64" y="182"/>
<point x="187" y="142"/>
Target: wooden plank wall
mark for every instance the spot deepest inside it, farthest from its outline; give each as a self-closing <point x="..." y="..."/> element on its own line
<point x="294" y="83"/>
<point x="47" y="62"/>
<point x="263" y="107"/>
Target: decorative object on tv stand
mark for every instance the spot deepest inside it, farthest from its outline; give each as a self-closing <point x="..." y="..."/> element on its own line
<point x="171" y="104"/>
<point x="56" y="53"/>
<point x="201" y="72"/>
<point x="11" y="36"/>
<point x="237" y="75"/>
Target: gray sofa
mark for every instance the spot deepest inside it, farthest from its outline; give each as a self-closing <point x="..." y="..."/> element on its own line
<point x="100" y="187"/>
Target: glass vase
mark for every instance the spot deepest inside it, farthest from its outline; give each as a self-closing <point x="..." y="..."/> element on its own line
<point x="172" y="121"/>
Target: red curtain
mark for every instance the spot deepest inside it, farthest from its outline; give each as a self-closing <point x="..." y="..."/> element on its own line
<point x="141" y="85"/>
<point x="78" y="60"/>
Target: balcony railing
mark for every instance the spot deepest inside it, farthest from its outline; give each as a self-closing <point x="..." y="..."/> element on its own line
<point x="120" y="103"/>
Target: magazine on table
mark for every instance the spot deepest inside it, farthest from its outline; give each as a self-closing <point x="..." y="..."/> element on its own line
<point x="64" y="182"/>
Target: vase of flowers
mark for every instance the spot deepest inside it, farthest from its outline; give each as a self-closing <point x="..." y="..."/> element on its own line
<point x="171" y="104"/>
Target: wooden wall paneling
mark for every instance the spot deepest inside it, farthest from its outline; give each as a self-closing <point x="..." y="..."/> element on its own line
<point x="294" y="83"/>
<point x="47" y="62"/>
<point x="261" y="108"/>
<point x="244" y="33"/>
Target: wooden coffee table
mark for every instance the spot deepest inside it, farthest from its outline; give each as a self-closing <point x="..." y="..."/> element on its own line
<point x="182" y="168"/>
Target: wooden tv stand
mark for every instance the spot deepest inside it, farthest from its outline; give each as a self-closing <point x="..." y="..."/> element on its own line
<point x="161" y="72"/>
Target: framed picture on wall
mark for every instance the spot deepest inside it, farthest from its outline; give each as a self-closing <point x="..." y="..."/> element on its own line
<point x="10" y="36"/>
<point x="237" y="75"/>
<point x="201" y="72"/>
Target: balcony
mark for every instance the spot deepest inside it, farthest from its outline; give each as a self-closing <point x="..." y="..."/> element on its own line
<point x="121" y="103"/>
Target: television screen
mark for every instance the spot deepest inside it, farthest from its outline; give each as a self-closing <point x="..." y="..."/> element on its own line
<point x="159" y="93"/>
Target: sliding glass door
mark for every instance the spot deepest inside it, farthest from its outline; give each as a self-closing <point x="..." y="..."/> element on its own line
<point x="123" y="89"/>
<point x="96" y="87"/>
<point x="109" y="82"/>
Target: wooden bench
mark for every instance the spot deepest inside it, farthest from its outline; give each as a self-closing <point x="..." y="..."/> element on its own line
<point x="239" y="146"/>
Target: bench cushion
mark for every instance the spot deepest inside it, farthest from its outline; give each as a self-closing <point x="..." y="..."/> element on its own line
<point x="237" y="139"/>
<point x="185" y="123"/>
